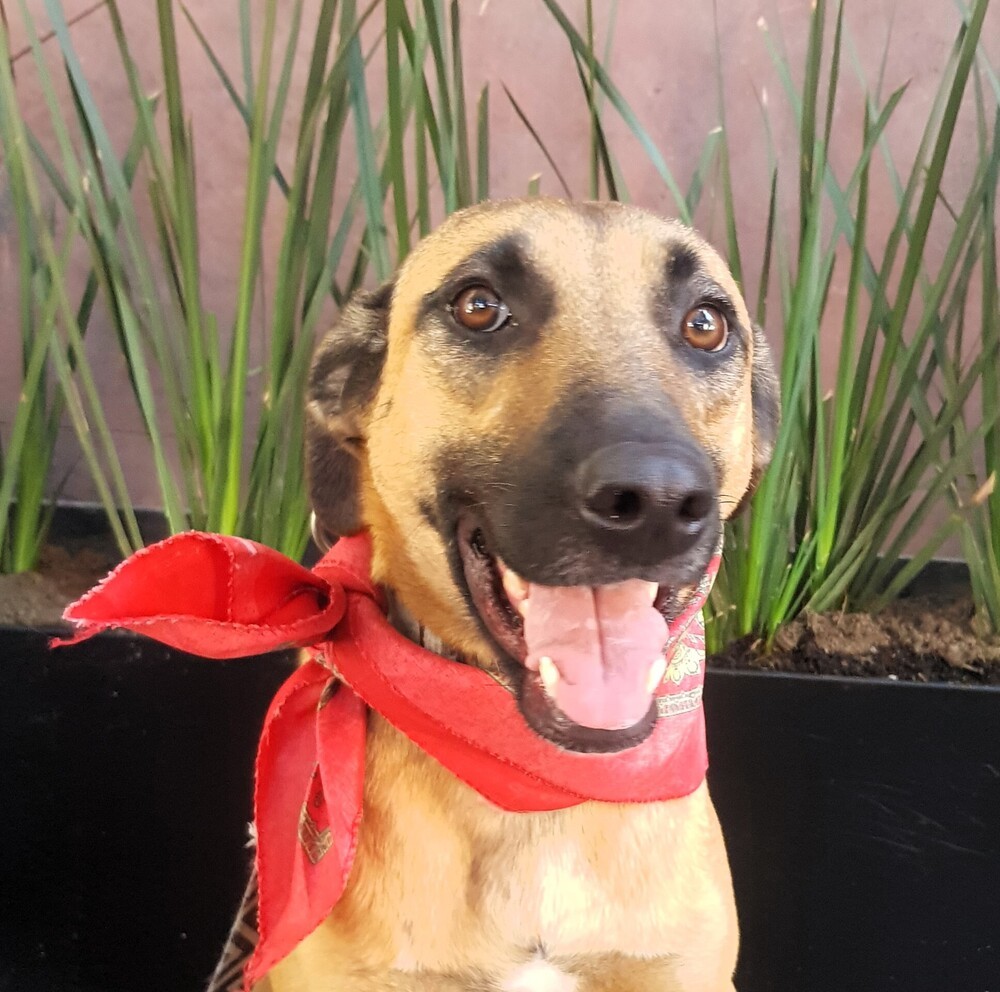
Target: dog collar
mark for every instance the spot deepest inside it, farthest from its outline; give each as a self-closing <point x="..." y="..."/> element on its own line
<point x="225" y="597"/>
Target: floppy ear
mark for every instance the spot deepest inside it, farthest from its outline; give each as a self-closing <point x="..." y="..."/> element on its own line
<point x="342" y="384"/>
<point x="765" y="400"/>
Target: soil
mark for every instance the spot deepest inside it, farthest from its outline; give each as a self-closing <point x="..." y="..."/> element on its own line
<point x="923" y="638"/>
<point x="37" y="599"/>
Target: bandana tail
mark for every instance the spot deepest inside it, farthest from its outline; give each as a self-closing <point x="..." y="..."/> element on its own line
<point x="307" y="809"/>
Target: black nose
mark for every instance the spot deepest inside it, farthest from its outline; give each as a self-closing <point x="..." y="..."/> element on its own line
<point x="651" y="499"/>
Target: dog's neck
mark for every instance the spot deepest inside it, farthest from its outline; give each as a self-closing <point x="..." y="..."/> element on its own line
<point x="403" y="621"/>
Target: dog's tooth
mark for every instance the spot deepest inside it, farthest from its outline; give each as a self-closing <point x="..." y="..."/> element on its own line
<point x="548" y="673"/>
<point x="656" y="672"/>
<point x="515" y="587"/>
<point x="652" y="591"/>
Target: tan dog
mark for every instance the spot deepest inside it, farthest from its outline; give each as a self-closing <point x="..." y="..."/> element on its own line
<point x="548" y="395"/>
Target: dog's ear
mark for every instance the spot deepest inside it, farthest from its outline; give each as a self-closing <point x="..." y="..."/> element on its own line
<point x="765" y="400"/>
<point x="342" y="383"/>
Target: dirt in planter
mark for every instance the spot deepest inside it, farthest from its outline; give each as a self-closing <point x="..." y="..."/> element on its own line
<point x="37" y="599"/>
<point x="928" y="638"/>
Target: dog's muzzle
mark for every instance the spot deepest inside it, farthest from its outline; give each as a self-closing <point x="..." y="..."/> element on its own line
<point x="577" y="566"/>
<point x="647" y="500"/>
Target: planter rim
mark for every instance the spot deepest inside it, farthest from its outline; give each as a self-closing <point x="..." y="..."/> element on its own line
<point x="778" y="678"/>
<point x="801" y="677"/>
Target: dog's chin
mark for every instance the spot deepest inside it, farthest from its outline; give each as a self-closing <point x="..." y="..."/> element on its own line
<point x="581" y="705"/>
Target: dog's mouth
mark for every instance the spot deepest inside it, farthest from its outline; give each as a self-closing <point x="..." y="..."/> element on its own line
<point x="586" y="661"/>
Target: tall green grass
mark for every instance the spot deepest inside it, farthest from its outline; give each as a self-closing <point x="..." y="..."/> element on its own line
<point x="876" y="464"/>
<point x="862" y="471"/>
<point x="200" y="387"/>
<point x="885" y="458"/>
<point x="981" y="497"/>
<point x="26" y="459"/>
<point x="52" y="315"/>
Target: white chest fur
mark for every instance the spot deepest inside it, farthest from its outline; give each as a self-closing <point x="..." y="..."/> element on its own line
<point x="538" y="975"/>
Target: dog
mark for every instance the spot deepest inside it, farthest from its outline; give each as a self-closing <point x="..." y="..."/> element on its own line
<point x="549" y="396"/>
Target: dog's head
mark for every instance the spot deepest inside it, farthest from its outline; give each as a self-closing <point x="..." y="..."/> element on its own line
<point x="543" y="421"/>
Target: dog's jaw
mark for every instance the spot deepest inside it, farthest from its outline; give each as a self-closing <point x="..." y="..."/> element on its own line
<point x="585" y="661"/>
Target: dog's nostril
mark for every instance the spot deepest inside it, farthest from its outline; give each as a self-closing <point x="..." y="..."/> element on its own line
<point x="627" y="505"/>
<point x="616" y="505"/>
<point x="695" y="507"/>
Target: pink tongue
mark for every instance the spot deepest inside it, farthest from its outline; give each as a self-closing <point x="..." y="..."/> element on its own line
<point x="603" y="641"/>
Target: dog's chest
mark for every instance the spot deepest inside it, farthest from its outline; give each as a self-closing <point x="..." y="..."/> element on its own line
<point x="458" y="883"/>
<point x="553" y="881"/>
<point x="570" y="887"/>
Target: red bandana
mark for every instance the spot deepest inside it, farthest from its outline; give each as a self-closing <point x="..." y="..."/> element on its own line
<point x="225" y="597"/>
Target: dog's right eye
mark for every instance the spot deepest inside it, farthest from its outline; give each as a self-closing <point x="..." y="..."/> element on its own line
<point x="478" y="308"/>
<point x="705" y="328"/>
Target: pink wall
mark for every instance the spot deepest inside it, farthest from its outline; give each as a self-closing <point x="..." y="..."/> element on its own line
<point x="663" y="61"/>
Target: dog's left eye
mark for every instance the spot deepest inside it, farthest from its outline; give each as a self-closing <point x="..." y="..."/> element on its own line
<point x="705" y="328"/>
<point x="478" y="308"/>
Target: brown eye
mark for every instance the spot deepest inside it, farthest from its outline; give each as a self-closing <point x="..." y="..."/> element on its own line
<point x="478" y="308"/>
<point x="705" y="328"/>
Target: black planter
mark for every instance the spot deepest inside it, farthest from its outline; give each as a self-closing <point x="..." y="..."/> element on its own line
<point x="862" y="819"/>
<point x="125" y="791"/>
